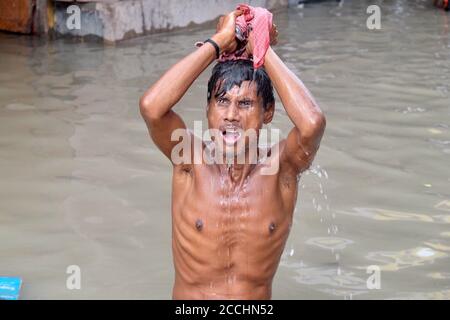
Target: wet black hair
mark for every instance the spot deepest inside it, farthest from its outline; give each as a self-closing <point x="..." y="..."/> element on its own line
<point x="225" y="75"/>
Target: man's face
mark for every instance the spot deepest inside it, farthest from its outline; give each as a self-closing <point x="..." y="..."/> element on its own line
<point x="238" y="116"/>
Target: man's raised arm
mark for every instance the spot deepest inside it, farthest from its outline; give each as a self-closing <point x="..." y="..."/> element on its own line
<point x="304" y="139"/>
<point x="157" y="102"/>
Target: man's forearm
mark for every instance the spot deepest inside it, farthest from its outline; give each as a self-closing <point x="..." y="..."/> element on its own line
<point x="296" y="98"/>
<point x="171" y="87"/>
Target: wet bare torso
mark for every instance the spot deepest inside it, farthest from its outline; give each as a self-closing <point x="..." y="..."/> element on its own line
<point x="228" y="237"/>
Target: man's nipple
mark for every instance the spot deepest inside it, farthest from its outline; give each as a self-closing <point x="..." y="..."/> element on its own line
<point x="272" y="227"/>
<point x="199" y="224"/>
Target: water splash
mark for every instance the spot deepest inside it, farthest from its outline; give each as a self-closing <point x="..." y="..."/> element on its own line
<point x="317" y="182"/>
<point x="322" y="204"/>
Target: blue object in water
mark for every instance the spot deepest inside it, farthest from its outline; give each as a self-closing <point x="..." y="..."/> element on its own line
<point x="10" y="288"/>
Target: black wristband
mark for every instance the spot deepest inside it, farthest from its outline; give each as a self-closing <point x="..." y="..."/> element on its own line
<point x="216" y="46"/>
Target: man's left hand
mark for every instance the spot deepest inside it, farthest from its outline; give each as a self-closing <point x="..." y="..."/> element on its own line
<point x="273" y="39"/>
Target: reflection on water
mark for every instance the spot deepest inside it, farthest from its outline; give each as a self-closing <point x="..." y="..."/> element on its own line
<point x="328" y="280"/>
<point x="387" y="215"/>
<point x="443" y="205"/>
<point x="391" y="215"/>
<point x="329" y="243"/>
<point x="396" y="260"/>
<point x="81" y="183"/>
<point x="439" y="275"/>
<point x="436" y="295"/>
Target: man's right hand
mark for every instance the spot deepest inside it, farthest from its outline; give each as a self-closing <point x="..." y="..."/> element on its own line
<point x="225" y="36"/>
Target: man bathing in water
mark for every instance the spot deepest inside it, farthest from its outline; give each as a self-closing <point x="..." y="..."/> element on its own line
<point x="230" y="221"/>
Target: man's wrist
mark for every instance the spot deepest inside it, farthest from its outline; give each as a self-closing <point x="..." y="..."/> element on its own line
<point x="220" y="40"/>
<point x="215" y="45"/>
<point x="269" y="56"/>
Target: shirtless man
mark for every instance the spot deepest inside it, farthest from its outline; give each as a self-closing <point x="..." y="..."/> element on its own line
<point x="230" y="222"/>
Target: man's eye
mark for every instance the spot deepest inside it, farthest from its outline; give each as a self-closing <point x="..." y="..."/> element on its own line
<point x="246" y="104"/>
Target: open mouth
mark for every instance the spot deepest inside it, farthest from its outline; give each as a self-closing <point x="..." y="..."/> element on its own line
<point x="231" y="135"/>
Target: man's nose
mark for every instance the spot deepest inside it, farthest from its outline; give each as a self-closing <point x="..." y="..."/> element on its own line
<point x="232" y="113"/>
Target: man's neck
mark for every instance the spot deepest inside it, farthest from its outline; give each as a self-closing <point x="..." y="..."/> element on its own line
<point x="236" y="171"/>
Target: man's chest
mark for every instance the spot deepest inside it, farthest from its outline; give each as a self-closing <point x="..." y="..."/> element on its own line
<point x="256" y="206"/>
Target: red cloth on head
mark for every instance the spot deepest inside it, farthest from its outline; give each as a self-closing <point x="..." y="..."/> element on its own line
<point x="259" y="21"/>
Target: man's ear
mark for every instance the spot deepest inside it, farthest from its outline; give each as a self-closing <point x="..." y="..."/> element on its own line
<point x="268" y="113"/>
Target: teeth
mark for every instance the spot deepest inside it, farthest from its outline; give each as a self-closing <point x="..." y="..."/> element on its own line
<point x="231" y="135"/>
<point x="231" y="130"/>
